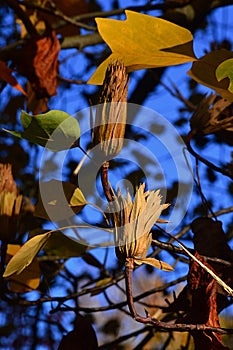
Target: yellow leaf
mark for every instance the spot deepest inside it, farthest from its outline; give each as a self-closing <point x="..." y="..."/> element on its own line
<point x="28" y="279"/>
<point x="77" y="199"/>
<point x="204" y="72"/>
<point x="143" y="41"/>
<point x="25" y="255"/>
<point x="154" y="262"/>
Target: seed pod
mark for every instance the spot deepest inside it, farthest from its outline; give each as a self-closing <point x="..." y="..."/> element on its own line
<point x="109" y="129"/>
<point x="10" y="204"/>
<point x="211" y="116"/>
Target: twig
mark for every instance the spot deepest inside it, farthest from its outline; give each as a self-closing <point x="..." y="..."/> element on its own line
<point x="22" y="15"/>
<point x="71" y="81"/>
<point x="227" y="288"/>
<point x="165" y="326"/>
<point x="54" y="11"/>
<point x="172" y="248"/>
<point x="223" y="171"/>
<point x="177" y="94"/>
<point x="119" y="11"/>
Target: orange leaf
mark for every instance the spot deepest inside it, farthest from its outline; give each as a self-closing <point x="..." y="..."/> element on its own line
<point x="5" y="74"/>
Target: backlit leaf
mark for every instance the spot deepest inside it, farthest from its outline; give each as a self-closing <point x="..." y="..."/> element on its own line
<point x="25" y="255"/>
<point x="77" y="198"/>
<point x="225" y="70"/>
<point x="28" y="279"/>
<point x="143" y="41"/>
<point x="204" y="72"/>
<point x="55" y="130"/>
<point x="59" y="200"/>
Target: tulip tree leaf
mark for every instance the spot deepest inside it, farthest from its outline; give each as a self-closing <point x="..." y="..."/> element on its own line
<point x="143" y="41"/>
<point x="55" y="130"/>
<point x="25" y="255"/>
<point x="59" y="200"/>
<point x="28" y="279"/>
<point x="225" y="70"/>
<point x="53" y="243"/>
<point x="204" y="71"/>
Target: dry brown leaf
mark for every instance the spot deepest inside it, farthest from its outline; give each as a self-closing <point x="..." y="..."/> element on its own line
<point x="39" y="63"/>
<point x="202" y="290"/>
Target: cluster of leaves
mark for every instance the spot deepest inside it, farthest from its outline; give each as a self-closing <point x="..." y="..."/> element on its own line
<point x="56" y="130"/>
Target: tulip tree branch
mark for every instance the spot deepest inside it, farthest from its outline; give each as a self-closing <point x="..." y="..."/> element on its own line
<point x="165" y="326"/>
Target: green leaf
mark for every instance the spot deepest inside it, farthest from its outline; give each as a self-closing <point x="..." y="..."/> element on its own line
<point x="55" y="130"/>
<point x="26" y="254"/>
<point x="59" y="200"/>
<point x="225" y="70"/>
<point x="63" y="247"/>
<point x="143" y="41"/>
<point x="154" y="262"/>
<point x="204" y="72"/>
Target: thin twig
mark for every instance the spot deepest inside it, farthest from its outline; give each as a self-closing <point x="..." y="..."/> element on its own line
<point x="222" y="170"/>
<point x="172" y="248"/>
<point x="71" y="81"/>
<point x="177" y="94"/>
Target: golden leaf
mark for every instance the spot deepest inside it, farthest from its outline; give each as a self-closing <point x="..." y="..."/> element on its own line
<point x="143" y="41"/>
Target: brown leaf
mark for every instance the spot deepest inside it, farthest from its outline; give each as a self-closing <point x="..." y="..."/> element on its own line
<point x="203" y="305"/>
<point x="5" y="74"/>
<point x="209" y="240"/>
<point x="39" y="63"/>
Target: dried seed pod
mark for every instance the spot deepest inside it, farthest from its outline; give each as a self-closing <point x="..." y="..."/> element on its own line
<point x="209" y="118"/>
<point x="10" y="204"/>
<point x="111" y="113"/>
